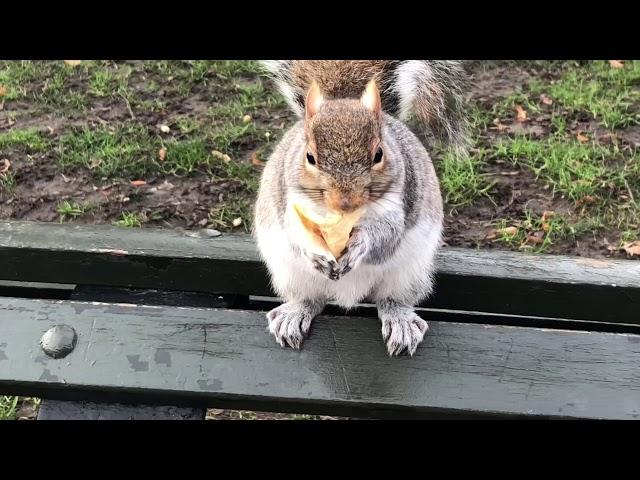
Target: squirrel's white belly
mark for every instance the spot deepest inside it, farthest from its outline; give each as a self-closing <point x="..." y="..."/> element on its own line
<point x="406" y="277"/>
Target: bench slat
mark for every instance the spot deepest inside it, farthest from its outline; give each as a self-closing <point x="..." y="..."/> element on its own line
<point x="485" y="281"/>
<point x="177" y="355"/>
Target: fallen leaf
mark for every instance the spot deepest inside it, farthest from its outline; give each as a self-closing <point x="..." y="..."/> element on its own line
<point x="510" y="231"/>
<point x="521" y="114"/>
<point x="616" y="64"/>
<point x="546" y="100"/>
<point x="237" y="222"/>
<point x="222" y="156"/>
<point x="582" y="138"/>
<point x="162" y="153"/>
<point x="246" y="119"/>
<point x="547" y="214"/>
<point x="256" y="161"/>
<point x="5" y="164"/>
<point x="3" y="90"/>
<point x="494" y="233"/>
<point x="164" y="128"/>
<point x="583" y="200"/>
<point x="632" y="248"/>
<point x="138" y="183"/>
<point x="73" y="63"/>
<point x="536" y="239"/>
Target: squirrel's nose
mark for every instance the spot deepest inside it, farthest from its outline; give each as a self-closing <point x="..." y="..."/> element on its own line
<point x="347" y="204"/>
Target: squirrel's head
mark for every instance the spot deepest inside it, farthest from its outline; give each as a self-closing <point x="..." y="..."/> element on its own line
<point x="344" y="165"/>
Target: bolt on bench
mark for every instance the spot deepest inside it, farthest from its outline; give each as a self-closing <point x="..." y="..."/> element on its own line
<point x="105" y="322"/>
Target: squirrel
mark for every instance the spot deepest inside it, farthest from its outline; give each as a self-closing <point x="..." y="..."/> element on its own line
<point x="350" y="151"/>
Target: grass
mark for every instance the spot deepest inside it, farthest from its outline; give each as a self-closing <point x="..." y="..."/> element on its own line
<point x="461" y="180"/>
<point x="8" y="407"/>
<point x="29" y="139"/>
<point x="70" y="210"/>
<point x="205" y="105"/>
<point x="129" y="220"/>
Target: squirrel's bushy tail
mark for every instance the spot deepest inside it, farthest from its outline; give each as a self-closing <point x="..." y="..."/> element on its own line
<point x="434" y="90"/>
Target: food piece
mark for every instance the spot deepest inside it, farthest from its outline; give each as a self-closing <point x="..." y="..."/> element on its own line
<point x="331" y="232"/>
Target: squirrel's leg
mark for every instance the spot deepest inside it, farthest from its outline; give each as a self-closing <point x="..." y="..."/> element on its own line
<point x="402" y="328"/>
<point x="289" y="323"/>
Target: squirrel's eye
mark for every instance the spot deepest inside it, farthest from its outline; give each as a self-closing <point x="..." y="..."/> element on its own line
<point x="378" y="156"/>
<point x="310" y="159"/>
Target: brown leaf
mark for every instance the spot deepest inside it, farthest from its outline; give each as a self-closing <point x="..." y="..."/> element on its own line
<point x="547" y="214"/>
<point x="521" y="114"/>
<point x="162" y="153"/>
<point x="138" y="183"/>
<point x="584" y="200"/>
<point x="496" y="232"/>
<point x="536" y="239"/>
<point x="3" y="90"/>
<point x="616" y="64"/>
<point x="73" y="63"/>
<point x="546" y="100"/>
<point x="632" y="248"/>
<point x="5" y="165"/>
<point x="256" y="161"/>
<point x="582" y="138"/>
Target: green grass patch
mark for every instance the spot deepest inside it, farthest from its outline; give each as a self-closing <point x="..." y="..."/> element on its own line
<point x="29" y="139"/>
<point x="129" y="220"/>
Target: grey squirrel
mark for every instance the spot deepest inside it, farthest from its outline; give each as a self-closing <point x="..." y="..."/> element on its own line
<point x="349" y="152"/>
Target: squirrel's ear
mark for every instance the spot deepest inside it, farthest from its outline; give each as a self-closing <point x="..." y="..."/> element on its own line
<point x="371" y="97"/>
<point x="314" y="100"/>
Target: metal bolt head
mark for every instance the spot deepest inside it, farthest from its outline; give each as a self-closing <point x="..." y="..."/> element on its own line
<point x="59" y="341"/>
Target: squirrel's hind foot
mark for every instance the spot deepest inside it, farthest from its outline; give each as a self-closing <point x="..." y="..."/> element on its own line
<point x="290" y="322"/>
<point x="402" y="328"/>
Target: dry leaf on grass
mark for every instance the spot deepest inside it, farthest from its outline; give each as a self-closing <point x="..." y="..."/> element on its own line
<point x="256" y="161"/>
<point x="507" y="231"/>
<point x="521" y="114"/>
<point x="5" y="165"/>
<point x="536" y="239"/>
<point x="582" y="138"/>
<point x="3" y="90"/>
<point x="585" y="200"/>
<point x="138" y="183"/>
<point x="162" y="153"/>
<point x="222" y="156"/>
<point x="616" y="64"/>
<point x="237" y="222"/>
<point x="73" y="63"/>
<point x="546" y="100"/>
<point x="632" y="248"/>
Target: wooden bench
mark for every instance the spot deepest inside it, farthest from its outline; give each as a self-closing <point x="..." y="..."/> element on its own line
<point x="162" y="324"/>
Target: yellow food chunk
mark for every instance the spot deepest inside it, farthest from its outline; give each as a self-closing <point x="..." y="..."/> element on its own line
<point x="332" y="231"/>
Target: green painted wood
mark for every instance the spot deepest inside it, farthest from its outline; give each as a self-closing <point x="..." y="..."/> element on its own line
<point x="472" y="280"/>
<point x="226" y="358"/>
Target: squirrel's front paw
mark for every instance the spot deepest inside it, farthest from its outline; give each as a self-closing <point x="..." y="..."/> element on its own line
<point x="326" y="266"/>
<point x="289" y="323"/>
<point x="354" y="253"/>
<point x="403" y="331"/>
